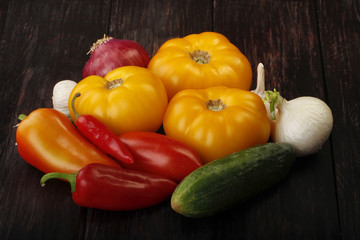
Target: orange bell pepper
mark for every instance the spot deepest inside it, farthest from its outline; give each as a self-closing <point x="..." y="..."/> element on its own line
<point x="48" y="140"/>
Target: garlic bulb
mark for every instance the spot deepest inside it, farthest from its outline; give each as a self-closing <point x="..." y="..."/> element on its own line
<point x="61" y="94"/>
<point x="304" y="122"/>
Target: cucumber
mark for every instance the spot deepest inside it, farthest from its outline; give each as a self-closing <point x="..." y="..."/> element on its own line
<point x="231" y="180"/>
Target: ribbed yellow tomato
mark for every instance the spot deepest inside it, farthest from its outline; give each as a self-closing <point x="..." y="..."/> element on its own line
<point x="199" y="61"/>
<point x="217" y="121"/>
<point x="127" y="99"/>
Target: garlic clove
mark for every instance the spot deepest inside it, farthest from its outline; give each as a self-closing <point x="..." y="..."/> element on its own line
<point x="61" y="94"/>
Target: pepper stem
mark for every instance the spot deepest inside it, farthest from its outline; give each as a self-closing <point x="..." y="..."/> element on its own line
<point x="274" y="98"/>
<point x="70" y="177"/>
<point x="22" y="117"/>
<point x="73" y="105"/>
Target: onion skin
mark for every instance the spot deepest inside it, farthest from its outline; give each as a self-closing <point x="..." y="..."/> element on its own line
<point x="109" y="53"/>
<point x="304" y="122"/>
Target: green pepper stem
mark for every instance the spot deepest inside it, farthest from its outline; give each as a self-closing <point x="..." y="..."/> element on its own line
<point x="22" y="117"/>
<point x="73" y="105"/>
<point x="70" y="177"/>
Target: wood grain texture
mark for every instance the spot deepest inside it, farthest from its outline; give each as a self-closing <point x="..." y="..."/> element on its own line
<point x="3" y="12"/>
<point x="340" y="38"/>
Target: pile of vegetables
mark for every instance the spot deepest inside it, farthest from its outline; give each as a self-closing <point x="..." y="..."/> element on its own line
<point x="223" y="143"/>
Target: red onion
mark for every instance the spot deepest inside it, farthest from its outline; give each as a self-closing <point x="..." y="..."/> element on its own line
<point x="109" y="53"/>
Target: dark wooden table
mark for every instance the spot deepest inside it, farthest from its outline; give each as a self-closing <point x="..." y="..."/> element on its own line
<point x="307" y="47"/>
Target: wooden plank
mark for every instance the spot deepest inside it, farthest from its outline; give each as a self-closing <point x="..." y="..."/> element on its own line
<point x="284" y="36"/>
<point x="44" y="44"/>
<point x="4" y="4"/>
<point x="340" y="40"/>
<point x="3" y="11"/>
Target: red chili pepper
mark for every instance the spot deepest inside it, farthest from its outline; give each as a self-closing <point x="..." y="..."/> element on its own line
<point x="109" y="188"/>
<point x="159" y="154"/>
<point x="101" y="136"/>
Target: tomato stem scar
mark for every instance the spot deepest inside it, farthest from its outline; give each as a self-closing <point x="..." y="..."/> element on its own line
<point x="200" y="57"/>
<point x="215" y="105"/>
<point x="114" y="84"/>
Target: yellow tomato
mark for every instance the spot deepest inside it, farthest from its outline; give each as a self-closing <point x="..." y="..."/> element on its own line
<point x="127" y="99"/>
<point x="217" y="121"/>
<point x="199" y="61"/>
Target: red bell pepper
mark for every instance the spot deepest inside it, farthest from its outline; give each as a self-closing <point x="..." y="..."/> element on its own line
<point x="108" y="188"/>
<point x="48" y="140"/>
<point x="159" y="154"/>
<point x="101" y="136"/>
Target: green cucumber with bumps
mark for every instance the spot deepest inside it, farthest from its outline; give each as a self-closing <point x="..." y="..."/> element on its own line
<point x="231" y="180"/>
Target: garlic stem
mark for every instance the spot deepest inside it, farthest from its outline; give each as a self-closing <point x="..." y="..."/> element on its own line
<point x="272" y="97"/>
<point x="260" y="83"/>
